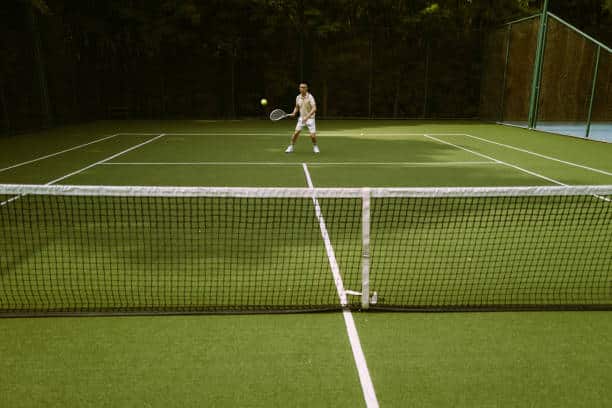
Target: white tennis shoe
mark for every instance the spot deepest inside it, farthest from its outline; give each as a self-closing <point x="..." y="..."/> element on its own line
<point x="289" y="149"/>
<point x="315" y="149"/>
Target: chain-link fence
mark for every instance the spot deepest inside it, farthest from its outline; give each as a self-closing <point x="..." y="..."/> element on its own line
<point x="569" y="93"/>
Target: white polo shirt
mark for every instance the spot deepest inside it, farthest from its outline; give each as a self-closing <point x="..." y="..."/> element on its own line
<point x="305" y="104"/>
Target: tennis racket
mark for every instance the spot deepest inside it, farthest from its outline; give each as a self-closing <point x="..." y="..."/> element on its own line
<point x="278" y="114"/>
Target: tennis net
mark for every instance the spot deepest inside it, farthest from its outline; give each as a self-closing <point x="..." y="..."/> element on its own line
<point x="115" y="250"/>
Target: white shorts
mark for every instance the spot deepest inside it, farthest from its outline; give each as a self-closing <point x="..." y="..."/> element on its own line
<point x="310" y="123"/>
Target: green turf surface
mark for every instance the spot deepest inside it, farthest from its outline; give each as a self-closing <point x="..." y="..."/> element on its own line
<point x="402" y="176"/>
<point x="299" y="360"/>
<point x="340" y="141"/>
<point x="527" y="359"/>
<point x="263" y="147"/>
<point x="500" y="359"/>
<point x="193" y="175"/>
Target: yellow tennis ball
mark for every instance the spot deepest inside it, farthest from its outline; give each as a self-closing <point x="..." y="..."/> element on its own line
<point x="263" y="102"/>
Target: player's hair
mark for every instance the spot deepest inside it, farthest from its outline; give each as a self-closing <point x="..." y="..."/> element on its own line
<point x="304" y="83"/>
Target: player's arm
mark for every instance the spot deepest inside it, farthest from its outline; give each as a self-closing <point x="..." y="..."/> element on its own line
<point x="295" y="110"/>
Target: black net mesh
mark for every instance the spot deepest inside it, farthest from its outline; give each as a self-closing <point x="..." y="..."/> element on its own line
<point x="181" y="254"/>
<point x="494" y="252"/>
<point x="130" y="254"/>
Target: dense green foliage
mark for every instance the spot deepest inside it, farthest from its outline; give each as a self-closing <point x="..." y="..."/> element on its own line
<point x="71" y="60"/>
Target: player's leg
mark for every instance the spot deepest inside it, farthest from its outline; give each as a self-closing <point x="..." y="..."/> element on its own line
<point x="315" y="148"/>
<point x="312" y="128"/>
<point x="295" y="136"/>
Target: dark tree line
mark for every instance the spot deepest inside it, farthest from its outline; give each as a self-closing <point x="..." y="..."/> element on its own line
<point x="73" y="60"/>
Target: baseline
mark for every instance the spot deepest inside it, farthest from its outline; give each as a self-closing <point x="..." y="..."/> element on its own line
<point x="424" y="164"/>
<point x="285" y="133"/>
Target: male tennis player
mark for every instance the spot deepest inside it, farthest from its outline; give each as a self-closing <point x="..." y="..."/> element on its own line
<point x="306" y="105"/>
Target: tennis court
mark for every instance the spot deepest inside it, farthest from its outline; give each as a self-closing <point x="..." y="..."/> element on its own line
<point x="510" y="358"/>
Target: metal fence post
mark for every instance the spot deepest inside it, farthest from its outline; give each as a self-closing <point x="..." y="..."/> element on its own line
<point x="595" y="74"/>
<point x="537" y="70"/>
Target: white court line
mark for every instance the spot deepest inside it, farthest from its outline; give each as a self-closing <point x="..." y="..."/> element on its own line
<point x="201" y="164"/>
<point x="442" y="164"/>
<point x="90" y="166"/>
<point x="607" y="173"/>
<point x="58" y="153"/>
<point x="497" y="160"/>
<point x="424" y="164"/>
<point x="362" y="367"/>
<point x="288" y="133"/>
<point x="142" y="133"/>
<point x="513" y="125"/>
<point x="210" y="134"/>
<point x="10" y="200"/>
<point x="369" y="394"/>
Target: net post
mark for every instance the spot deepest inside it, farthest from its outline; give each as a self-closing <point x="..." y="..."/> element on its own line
<point x="365" y="248"/>
<point x="594" y="86"/>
